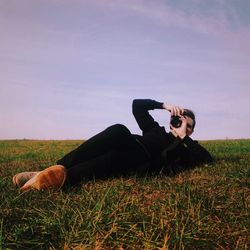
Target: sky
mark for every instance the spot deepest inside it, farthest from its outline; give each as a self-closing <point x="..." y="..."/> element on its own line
<point x="71" y="68"/>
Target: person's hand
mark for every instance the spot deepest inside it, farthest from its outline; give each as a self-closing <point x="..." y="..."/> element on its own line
<point x="174" y="110"/>
<point x="182" y="130"/>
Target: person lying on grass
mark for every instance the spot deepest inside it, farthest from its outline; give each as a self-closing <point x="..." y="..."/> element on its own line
<point x="117" y="152"/>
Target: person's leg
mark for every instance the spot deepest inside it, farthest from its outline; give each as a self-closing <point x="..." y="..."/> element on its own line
<point x="98" y="148"/>
<point x="109" y="164"/>
<point x="113" y="138"/>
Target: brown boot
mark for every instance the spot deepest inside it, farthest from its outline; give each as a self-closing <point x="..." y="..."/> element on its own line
<point x="21" y="178"/>
<point x="50" y="178"/>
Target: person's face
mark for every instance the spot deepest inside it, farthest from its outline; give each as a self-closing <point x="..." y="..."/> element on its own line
<point x="190" y="124"/>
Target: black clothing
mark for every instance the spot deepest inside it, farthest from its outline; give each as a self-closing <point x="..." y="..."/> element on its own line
<point x="116" y="151"/>
<point x="112" y="152"/>
<point x="171" y="155"/>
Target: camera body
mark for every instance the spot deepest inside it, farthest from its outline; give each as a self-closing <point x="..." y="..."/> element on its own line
<point x="175" y="121"/>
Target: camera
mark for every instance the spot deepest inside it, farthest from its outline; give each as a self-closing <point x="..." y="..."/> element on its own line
<point x="175" y="121"/>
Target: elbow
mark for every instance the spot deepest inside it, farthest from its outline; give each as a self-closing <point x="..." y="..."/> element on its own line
<point x="135" y="102"/>
<point x="135" y="105"/>
<point x="208" y="158"/>
<point x="201" y="160"/>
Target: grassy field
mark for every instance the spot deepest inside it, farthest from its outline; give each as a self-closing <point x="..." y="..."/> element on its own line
<point x="206" y="208"/>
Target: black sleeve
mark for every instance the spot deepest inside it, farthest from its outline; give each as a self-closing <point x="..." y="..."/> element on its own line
<point x="182" y="155"/>
<point x="197" y="153"/>
<point x="140" y="111"/>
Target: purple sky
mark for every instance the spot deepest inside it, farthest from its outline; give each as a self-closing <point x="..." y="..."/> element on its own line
<point x="70" y="68"/>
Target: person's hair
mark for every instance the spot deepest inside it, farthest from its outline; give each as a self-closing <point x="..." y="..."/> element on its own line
<point x="190" y="113"/>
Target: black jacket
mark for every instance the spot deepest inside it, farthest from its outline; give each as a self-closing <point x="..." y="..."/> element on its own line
<point x="169" y="154"/>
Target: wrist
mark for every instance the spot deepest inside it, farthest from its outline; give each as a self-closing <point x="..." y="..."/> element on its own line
<point x="182" y="136"/>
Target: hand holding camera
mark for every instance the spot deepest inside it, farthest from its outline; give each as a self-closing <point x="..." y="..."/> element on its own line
<point x="178" y="123"/>
<point x="174" y="110"/>
<point x="178" y="126"/>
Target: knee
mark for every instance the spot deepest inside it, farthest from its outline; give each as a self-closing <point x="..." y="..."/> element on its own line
<point x="119" y="129"/>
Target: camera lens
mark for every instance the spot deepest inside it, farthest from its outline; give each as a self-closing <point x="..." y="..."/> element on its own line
<point x="175" y="121"/>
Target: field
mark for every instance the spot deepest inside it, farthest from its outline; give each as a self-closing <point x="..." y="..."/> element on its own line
<point x="205" y="208"/>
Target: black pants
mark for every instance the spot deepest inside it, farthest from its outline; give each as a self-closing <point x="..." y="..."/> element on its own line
<point x="112" y="152"/>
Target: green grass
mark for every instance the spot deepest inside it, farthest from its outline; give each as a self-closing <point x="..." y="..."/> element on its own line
<point x="206" y="208"/>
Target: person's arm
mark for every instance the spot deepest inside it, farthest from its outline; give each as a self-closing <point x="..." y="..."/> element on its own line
<point x="140" y="108"/>
<point x="192" y="156"/>
<point x="197" y="153"/>
<point x="144" y="119"/>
